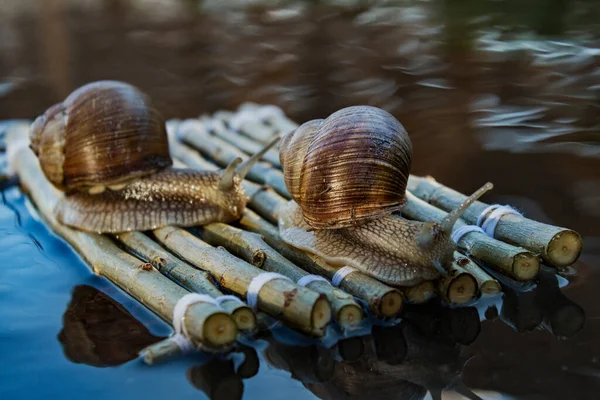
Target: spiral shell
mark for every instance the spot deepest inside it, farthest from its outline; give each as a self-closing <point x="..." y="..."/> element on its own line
<point x="104" y="133"/>
<point x="349" y="168"/>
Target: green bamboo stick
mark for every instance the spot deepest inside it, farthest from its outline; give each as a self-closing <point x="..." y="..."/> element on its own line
<point x="300" y="307"/>
<point x="252" y="248"/>
<point x="516" y="262"/>
<point x="190" y="277"/>
<point x="557" y="246"/>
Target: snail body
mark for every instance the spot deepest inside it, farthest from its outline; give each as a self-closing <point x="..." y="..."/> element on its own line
<point x="354" y="224"/>
<point x="106" y="147"/>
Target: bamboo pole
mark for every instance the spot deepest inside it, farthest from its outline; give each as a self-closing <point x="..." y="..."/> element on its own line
<point x="243" y="143"/>
<point x="458" y="286"/>
<point x="272" y="123"/>
<point x="383" y="301"/>
<point x="206" y="324"/>
<point x="507" y="259"/>
<point x="194" y="134"/>
<point x="251" y="247"/>
<point x="190" y="277"/>
<point x="419" y="294"/>
<point x="302" y="308"/>
<point x="557" y="246"/>
<point x="486" y="283"/>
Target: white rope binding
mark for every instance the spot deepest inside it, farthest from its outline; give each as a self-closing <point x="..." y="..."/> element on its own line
<point x="222" y="299"/>
<point x="341" y="274"/>
<point x="258" y="282"/>
<point x="496" y="211"/>
<point x="458" y="234"/>
<point x="181" y="336"/>
<point x="308" y="279"/>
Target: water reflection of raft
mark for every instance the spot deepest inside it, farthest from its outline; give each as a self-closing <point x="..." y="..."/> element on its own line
<point x="139" y="262"/>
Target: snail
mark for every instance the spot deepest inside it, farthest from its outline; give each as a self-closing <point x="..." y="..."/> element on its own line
<point x="347" y="175"/>
<point x="106" y="148"/>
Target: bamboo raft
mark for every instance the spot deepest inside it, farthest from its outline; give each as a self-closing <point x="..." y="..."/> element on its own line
<point x="158" y="268"/>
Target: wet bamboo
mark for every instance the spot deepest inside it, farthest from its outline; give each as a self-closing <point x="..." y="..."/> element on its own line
<point x="273" y="122"/>
<point x="251" y="247"/>
<point x="206" y="324"/>
<point x="486" y="283"/>
<point x="459" y="286"/>
<point x="243" y="143"/>
<point x="516" y="262"/>
<point x="300" y="307"/>
<point x="383" y="301"/>
<point x="557" y="246"/>
<point x="419" y="294"/>
<point x="222" y="153"/>
<point x="188" y="276"/>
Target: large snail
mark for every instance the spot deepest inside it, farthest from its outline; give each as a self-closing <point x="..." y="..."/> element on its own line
<point x="106" y="147"/>
<point x="347" y="175"/>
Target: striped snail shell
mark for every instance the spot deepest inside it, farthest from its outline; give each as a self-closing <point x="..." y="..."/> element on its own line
<point x="349" y="168"/>
<point x="347" y="174"/>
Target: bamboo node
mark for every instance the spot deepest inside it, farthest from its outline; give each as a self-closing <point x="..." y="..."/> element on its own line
<point x="145" y="267"/>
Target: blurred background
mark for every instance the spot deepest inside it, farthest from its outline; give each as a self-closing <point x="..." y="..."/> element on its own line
<point x="506" y="91"/>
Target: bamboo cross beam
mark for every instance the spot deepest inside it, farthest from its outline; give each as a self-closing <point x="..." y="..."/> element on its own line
<point x="188" y="276"/>
<point x="383" y="301"/>
<point x="518" y="263"/>
<point x="557" y="246"/>
<point x="251" y="247"/>
<point x="300" y="307"/>
<point x="222" y="153"/>
<point x="206" y="323"/>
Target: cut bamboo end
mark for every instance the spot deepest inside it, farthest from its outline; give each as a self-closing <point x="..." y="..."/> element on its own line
<point x="349" y="315"/>
<point x="244" y="318"/>
<point x="564" y="248"/>
<point x="219" y="330"/>
<point x="525" y="266"/>
<point x="391" y="304"/>
<point x="421" y="293"/>
<point x="461" y="289"/>
<point x="490" y="287"/>
<point x="321" y="315"/>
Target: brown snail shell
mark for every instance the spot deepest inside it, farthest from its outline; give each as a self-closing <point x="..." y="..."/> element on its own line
<point x="106" y="147"/>
<point x="348" y="168"/>
<point x="104" y="133"/>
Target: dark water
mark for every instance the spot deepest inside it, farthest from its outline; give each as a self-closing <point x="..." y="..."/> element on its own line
<point x="500" y="91"/>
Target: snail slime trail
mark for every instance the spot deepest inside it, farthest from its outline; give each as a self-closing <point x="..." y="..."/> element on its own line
<point x="342" y="210"/>
<point x="106" y="147"/>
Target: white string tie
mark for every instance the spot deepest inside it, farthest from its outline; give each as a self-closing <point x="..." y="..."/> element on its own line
<point x="308" y="279"/>
<point x="181" y="336"/>
<point x="258" y="282"/>
<point x="496" y="211"/>
<point x="458" y="234"/>
<point x="222" y="299"/>
<point x="341" y="274"/>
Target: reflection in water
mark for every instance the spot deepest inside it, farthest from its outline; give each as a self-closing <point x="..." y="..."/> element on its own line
<point x="421" y="354"/>
<point x="100" y="332"/>
<point x="544" y="307"/>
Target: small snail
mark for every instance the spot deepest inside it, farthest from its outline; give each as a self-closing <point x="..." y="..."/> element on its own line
<point x="106" y="147"/>
<point x="347" y="175"/>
